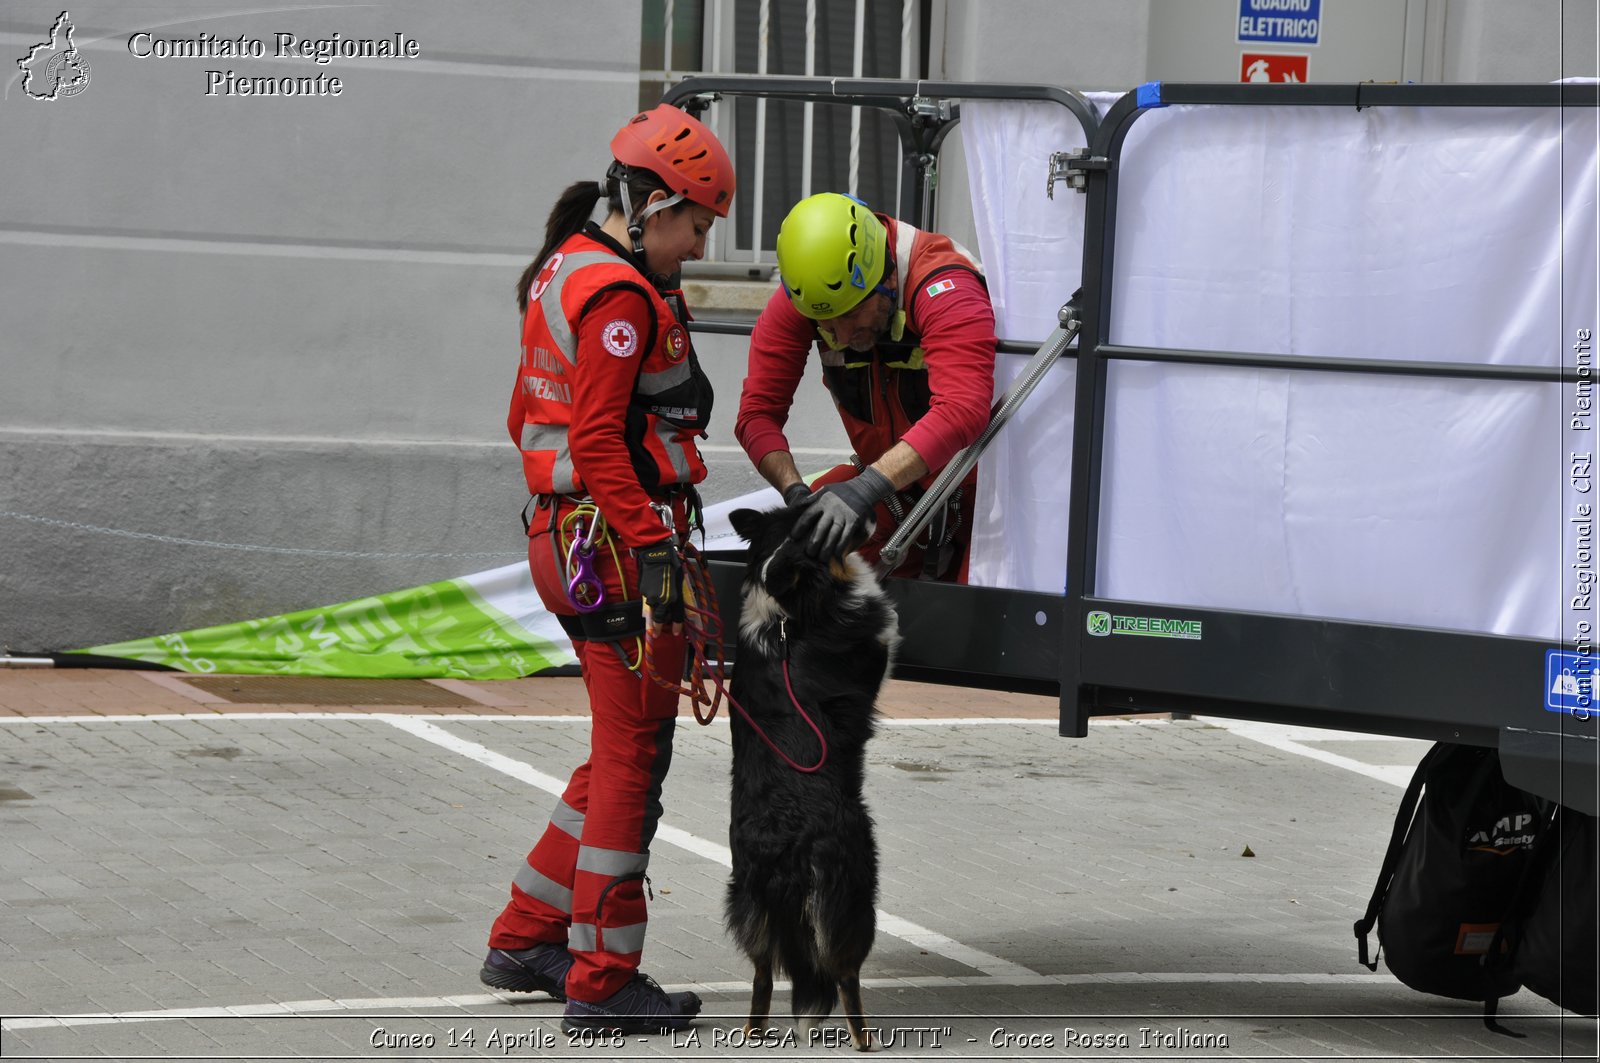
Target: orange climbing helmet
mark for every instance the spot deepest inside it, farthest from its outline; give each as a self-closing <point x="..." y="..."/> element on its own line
<point x="682" y="151"/>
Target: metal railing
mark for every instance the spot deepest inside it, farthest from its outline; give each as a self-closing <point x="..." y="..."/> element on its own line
<point x="1450" y="685"/>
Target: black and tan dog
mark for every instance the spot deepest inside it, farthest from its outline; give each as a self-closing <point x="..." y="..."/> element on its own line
<point x="816" y="638"/>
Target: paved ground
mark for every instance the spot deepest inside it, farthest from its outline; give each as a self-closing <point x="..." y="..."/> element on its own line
<point x="183" y="875"/>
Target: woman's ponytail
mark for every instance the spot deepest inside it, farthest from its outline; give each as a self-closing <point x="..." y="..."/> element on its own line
<point x="567" y="217"/>
<point x="574" y="209"/>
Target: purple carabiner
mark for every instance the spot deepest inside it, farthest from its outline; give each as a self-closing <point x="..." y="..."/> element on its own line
<point x="585" y="590"/>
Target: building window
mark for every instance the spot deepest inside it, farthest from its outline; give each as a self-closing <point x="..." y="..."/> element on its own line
<point x="782" y="150"/>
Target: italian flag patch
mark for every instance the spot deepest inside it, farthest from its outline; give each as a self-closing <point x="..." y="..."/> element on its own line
<point x="940" y="286"/>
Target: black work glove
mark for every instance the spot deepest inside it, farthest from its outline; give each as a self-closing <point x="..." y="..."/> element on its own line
<point x="661" y="582"/>
<point x="796" y="494"/>
<point x="833" y="517"/>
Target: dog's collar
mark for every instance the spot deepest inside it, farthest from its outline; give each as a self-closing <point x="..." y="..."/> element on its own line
<point x="783" y="615"/>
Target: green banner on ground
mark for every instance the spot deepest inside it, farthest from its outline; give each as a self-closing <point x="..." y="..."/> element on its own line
<point x="489" y="625"/>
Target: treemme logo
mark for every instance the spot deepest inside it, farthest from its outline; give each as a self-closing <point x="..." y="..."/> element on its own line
<point x="1161" y="627"/>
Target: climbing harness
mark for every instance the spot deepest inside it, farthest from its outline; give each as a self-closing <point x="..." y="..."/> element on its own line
<point x="578" y="538"/>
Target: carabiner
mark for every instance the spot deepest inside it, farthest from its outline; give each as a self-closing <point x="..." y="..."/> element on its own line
<point x="585" y="590"/>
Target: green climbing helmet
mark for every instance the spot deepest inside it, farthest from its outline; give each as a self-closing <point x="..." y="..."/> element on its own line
<point x="831" y="254"/>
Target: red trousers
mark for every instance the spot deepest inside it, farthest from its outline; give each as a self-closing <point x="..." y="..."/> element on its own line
<point x="583" y="883"/>
<point x="911" y="566"/>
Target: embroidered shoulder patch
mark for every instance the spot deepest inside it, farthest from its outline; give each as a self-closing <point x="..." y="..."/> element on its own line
<point x="620" y="337"/>
<point x="677" y="343"/>
<point x="546" y="275"/>
<point x="938" y="287"/>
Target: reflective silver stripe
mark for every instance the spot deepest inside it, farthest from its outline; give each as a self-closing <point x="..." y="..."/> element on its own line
<point x="568" y="819"/>
<point x="904" y="237"/>
<point x="555" y="318"/>
<point x="619" y="940"/>
<point x="611" y="862"/>
<point x="969" y="256"/>
<point x="670" y="377"/>
<point x="536" y="885"/>
<point x="675" y="451"/>
<point x="623" y="939"/>
<point x="548" y="437"/>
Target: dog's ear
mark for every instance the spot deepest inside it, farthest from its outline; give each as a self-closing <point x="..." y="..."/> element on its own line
<point x="781" y="571"/>
<point x="746" y="522"/>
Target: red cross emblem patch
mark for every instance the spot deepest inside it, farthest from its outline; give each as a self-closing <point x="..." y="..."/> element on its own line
<point x="620" y="337"/>
<point x="546" y="275"/>
<point x="677" y="344"/>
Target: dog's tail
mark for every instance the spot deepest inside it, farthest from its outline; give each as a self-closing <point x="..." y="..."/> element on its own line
<point x="776" y="927"/>
<point x="837" y="932"/>
<point x="815" y="989"/>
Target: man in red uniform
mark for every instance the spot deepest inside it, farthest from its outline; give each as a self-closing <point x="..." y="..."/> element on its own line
<point x="902" y="321"/>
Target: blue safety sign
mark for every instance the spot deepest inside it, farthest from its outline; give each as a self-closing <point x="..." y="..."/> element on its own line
<point x="1280" y="22"/>
<point x="1569" y="682"/>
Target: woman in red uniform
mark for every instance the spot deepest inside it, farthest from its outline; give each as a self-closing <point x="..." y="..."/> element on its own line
<point x="608" y="404"/>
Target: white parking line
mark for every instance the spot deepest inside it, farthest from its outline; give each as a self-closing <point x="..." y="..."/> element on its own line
<point x="478" y="1000"/>
<point x="523" y="718"/>
<point x="995" y="972"/>
<point x="920" y="936"/>
<point x="1288" y="740"/>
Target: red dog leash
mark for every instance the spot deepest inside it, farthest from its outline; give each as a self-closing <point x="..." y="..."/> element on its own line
<point x="702" y="625"/>
<point x="822" y="758"/>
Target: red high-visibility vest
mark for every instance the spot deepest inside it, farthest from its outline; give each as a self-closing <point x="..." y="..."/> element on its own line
<point x="671" y="398"/>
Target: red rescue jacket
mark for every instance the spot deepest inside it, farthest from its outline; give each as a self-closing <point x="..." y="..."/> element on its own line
<point x="929" y="382"/>
<point x="610" y="396"/>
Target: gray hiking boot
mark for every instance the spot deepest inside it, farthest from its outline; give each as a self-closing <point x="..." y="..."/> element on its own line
<point x="641" y="1006"/>
<point x="542" y="968"/>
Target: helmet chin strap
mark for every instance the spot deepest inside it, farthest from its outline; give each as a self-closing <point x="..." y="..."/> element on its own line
<point x="636" y="226"/>
<point x="637" y="218"/>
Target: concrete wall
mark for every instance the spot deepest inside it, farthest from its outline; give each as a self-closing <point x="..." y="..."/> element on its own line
<point x="255" y="352"/>
<point x="1389" y="40"/>
<point x="1079" y="44"/>
<point x="1520" y="40"/>
<point x="1194" y="40"/>
<point x="1082" y="44"/>
<point x="275" y="323"/>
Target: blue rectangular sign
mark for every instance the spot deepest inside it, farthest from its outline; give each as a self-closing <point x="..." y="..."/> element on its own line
<point x="1280" y="22"/>
<point x="1569" y="683"/>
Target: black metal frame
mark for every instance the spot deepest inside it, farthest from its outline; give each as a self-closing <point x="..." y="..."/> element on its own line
<point x="1384" y="679"/>
<point x="1446" y="685"/>
<point x="1003" y="639"/>
<point x="914" y="106"/>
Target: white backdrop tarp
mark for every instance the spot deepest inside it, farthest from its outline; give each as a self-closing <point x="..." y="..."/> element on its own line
<point x="1031" y="246"/>
<point x="1440" y="234"/>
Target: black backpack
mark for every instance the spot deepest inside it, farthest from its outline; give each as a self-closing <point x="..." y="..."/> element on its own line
<point x="1457" y="862"/>
<point x="1556" y="946"/>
